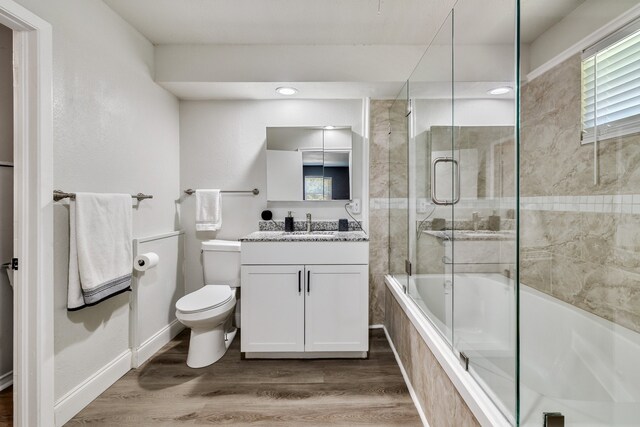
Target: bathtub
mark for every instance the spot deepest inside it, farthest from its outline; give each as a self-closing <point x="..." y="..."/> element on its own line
<point x="571" y="361"/>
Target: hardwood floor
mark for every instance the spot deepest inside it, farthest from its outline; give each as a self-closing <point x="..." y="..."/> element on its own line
<point x="6" y="407"/>
<point x="336" y="392"/>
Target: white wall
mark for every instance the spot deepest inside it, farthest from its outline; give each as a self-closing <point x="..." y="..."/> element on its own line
<point x="6" y="199"/>
<point x="115" y="130"/>
<point x="584" y="20"/>
<point x="222" y="145"/>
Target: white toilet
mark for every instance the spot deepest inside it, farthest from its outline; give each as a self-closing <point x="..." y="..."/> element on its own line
<point x="207" y="310"/>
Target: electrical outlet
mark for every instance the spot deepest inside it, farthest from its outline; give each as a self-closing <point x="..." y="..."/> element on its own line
<point x="422" y="206"/>
<point x="355" y="206"/>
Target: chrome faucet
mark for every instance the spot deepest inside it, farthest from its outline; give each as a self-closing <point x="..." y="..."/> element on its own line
<point x="308" y="223"/>
<point x="475" y="218"/>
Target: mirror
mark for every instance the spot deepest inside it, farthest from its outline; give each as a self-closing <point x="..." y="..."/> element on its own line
<point x="309" y="163"/>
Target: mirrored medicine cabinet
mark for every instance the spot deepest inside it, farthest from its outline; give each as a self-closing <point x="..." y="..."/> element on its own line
<point x="312" y="163"/>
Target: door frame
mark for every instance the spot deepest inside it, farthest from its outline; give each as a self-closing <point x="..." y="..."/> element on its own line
<point x="33" y="348"/>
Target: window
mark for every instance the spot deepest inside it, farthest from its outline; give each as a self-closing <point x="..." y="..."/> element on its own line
<point x="317" y="188"/>
<point x="611" y="86"/>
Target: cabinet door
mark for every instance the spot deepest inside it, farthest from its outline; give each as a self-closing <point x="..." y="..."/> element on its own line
<point x="336" y="308"/>
<point x="272" y="312"/>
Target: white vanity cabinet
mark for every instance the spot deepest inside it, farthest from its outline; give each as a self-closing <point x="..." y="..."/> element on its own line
<point x="315" y="305"/>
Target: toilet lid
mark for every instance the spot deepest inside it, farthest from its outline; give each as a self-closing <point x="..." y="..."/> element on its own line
<point x="205" y="298"/>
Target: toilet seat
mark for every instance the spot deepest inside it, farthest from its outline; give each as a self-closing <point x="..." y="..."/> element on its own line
<point x="206" y="298"/>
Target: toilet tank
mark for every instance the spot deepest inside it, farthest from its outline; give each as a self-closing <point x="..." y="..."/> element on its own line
<point x="221" y="262"/>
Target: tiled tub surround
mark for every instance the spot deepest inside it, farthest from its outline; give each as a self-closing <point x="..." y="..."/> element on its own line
<point x="434" y="391"/>
<point x="580" y="242"/>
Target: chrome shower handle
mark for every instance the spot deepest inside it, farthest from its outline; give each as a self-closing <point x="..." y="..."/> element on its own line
<point x="456" y="178"/>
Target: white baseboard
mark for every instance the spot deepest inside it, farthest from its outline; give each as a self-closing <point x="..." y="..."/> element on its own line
<point x="412" y="392"/>
<point x="6" y="380"/>
<point x="155" y="343"/>
<point x="83" y="394"/>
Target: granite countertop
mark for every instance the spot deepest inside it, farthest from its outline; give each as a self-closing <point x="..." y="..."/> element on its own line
<point x="302" y="236"/>
<point x="472" y="235"/>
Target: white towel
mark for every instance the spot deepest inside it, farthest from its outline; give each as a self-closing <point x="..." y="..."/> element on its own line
<point x="100" y="248"/>
<point x="208" y="210"/>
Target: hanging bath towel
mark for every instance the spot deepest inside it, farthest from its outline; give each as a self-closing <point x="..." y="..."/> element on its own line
<point x="208" y="210"/>
<point x="100" y="248"/>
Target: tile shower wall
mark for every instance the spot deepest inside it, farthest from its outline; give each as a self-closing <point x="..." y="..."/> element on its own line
<point x="580" y="241"/>
<point x="378" y="208"/>
<point x="387" y="200"/>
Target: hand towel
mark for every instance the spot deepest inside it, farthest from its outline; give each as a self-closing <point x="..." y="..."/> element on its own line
<point x="100" y="248"/>
<point x="208" y="210"/>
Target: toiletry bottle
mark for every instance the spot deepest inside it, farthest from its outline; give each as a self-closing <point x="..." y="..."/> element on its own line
<point x="494" y="222"/>
<point x="288" y="222"/>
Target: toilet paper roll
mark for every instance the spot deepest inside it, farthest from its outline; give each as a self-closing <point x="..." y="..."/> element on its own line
<point x="145" y="261"/>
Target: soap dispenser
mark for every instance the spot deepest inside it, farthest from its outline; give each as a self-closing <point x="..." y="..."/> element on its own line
<point x="494" y="222"/>
<point x="288" y="222"/>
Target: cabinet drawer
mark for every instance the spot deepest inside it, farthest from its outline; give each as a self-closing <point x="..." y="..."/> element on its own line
<point x="261" y="253"/>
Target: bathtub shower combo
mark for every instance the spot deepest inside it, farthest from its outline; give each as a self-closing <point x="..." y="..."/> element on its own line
<point x="514" y="212"/>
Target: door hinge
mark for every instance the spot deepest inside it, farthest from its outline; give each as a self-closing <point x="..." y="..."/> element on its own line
<point x="464" y="361"/>
<point x="553" y="419"/>
<point x="14" y="264"/>
<point x="407" y="267"/>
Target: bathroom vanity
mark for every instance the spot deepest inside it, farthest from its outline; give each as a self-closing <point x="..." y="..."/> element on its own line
<point x="305" y="294"/>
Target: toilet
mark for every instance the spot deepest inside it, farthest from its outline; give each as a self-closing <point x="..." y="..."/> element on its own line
<point x="207" y="311"/>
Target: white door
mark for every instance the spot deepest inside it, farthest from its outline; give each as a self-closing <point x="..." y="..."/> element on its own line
<point x="336" y="308"/>
<point x="272" y="315"/>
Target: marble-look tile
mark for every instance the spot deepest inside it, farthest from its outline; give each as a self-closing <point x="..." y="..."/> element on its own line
<point x="379" y="111"/>
<point x="625" y="244"/>
<point x="556" y="232"/>
<point x="613" y="294"/>
<point x="398" y="180"/>
<point x="379" y="180"/>
<point x="619" y="165"/>
<point x="399" y="148"/>
<point x="379" y="147"/>
<point x="567" y="278"/>
<point x="535" y="269"/>
<point x="552" y="160"/>
<point x="440" y="401"/>
<point x="377" y="295"/>
<point x="463" y="417"/>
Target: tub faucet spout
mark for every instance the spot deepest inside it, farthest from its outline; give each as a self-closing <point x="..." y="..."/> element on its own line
<point x="308" y="223"/>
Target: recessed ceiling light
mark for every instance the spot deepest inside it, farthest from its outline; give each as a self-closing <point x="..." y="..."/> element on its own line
<point x="287" y="90"/>
<point x="329" y="127"/>
<point x="500" y="90"/>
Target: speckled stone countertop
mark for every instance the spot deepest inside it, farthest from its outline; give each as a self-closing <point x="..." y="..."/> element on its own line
<point x="302" y="236"/>
<point x="472" y="235"/>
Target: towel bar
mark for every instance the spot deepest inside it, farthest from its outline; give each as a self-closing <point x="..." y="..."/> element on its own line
<point x="59" y="195"/>
<point x="255" y="191"/>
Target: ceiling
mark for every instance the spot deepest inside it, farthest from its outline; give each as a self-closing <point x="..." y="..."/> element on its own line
<point x="281" y="21"/>
<point x="291" y="23"/>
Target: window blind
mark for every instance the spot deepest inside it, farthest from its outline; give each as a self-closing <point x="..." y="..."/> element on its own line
<point x="611" y="86"/>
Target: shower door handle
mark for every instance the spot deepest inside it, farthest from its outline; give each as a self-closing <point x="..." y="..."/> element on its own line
<point x="456" y="178"/>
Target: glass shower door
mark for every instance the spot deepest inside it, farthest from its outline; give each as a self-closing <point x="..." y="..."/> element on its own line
<point x="484" y="250"/>
<point x="433" y="179"/>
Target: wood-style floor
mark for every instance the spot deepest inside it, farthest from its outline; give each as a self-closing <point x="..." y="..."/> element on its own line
<point x="165" y="392"/>
<point x="6" y="407"/>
